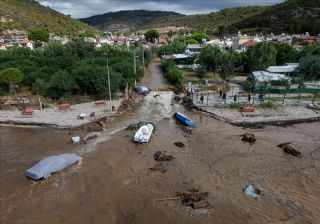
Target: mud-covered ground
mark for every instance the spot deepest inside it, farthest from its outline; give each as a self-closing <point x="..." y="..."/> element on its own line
<point x="113" y="183"/>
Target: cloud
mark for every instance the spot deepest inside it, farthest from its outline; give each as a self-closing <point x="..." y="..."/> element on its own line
<point x="86" y="8"/>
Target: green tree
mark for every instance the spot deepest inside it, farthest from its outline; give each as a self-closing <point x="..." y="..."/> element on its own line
<point x="202" y="72"/>
<point x="210" y="57"/>
<point x="61" y="84"/>
<point x="199" y="37"/>
<point x="152" y="35"/>
<point x="38" y="35"/>
<point x="285" y="53"/>
<point x="11" y="76"/>
<point x="227" y="64"/>
<point x="261" y="56"/>
<point x="40" y="88"/>
<point x="309" y="67"/>
<point x="192" y="41"/>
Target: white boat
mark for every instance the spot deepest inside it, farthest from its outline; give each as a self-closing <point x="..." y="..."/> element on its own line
<point x="144" y="133"/>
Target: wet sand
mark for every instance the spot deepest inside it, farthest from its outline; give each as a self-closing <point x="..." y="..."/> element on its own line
<point x="113" y="183"/>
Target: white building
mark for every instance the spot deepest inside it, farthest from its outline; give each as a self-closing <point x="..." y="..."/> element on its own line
<point x="262" y="78"/>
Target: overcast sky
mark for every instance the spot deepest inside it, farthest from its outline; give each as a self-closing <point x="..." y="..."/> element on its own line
<point x="86" y="8"/>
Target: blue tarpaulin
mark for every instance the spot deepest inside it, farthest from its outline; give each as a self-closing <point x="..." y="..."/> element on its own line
<point x="51" y="164"/>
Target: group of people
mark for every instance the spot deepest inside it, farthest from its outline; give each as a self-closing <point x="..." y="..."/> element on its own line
<point x="223" y="95"/>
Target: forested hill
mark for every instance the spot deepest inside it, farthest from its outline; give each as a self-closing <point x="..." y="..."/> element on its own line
<point x="24" y="14"/>
<point x="129" y="19"/>
<point x="292" y="16"/>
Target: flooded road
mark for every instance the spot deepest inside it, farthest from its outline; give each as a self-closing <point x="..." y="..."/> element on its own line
<point x="113" y="183"/>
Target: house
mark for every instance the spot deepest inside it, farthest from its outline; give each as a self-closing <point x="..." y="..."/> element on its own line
<point x="182" y="60"/>
<point x="289" y="69"/>
<point x="261" y="79"/>
<point x="193" y="49"/>
<point x="244" y="46"/>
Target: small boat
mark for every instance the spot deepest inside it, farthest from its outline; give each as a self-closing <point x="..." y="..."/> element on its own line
<point x="184" y="119"/>
<point x="51" y="164"/>
<point x="144" y="133"/>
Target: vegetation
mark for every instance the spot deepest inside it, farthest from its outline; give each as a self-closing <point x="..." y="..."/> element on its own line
<point x="261" y="56"/>
<point x="172" y="74"/>
<point x="29" y="14"/>
<point x="152" y="35"/>
<point x="76" y="68"/>
<point x="292" y="16"/>
<point x="128" y="19"/>
<point x="38" y="35"/>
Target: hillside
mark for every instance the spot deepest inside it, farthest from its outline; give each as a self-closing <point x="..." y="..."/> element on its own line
<point x="129" y="19"/>
<point x="24" y="14"/>
<point x="292" y="16"/>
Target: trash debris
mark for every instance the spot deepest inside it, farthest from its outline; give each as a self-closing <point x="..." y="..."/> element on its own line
<point x="158" y="168"/>
<point x="252" y="192"/>
<point x="179" y="144"/>
<point x="289" y="149"/>
<point x="163" y="156"/>
<point x="75" y="139"/>
<point x="90" y="137"/>
<point x="194" y="198"/>
<point x="248" y="137"/>
<point x="82" y="116"/>
<point x="135" y="127"/>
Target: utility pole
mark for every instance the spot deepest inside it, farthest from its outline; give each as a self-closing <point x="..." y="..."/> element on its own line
<point x="143" y="59"/>
<point x="134" y="63"/>
<point x="109" y="83"/>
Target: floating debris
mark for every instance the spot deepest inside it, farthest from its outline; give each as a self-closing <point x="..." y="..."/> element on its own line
<point x="252" y="191"/>
<point x="248" y="137"/>
<point x="163" y="156"/>
<point x="90" y="137"/>
<point x="75" y="139"/>
<point x="158" y="168"/>
<point x="289" y="149"/>
<point x="179" y="144"/>
<point x="135" y="127"/>
<point x="195" y="199"/>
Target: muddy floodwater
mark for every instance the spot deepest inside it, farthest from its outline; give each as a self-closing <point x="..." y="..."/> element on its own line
<point x="113" y="183"/>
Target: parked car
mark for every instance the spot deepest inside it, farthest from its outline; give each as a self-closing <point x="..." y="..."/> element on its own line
<point x="311" y="106"/>
<point x="142" y="90"/>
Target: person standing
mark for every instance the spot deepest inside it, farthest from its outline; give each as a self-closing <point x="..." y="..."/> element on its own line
<point x="249" y="97"/>
<point x="201" y="98"/>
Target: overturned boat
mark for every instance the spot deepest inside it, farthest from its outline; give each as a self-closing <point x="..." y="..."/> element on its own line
<point x="144" y="133"/>
<point x="51" y="164"/>
<point x="184" y="119"/>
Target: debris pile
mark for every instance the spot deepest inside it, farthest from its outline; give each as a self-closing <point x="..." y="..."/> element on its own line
<point x="194" y="198"/>
<point x="289" y="149"/>
<point x="252" y="191"/>
<point x="135" y="127"/>
<point x="179" y="144"/>
<point x="248" y="137"/>
<point x="158" y="168"/>
<point x="163" y="156"/>
<point x="90" y="137"/>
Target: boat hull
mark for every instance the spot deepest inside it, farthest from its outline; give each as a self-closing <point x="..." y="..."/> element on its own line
<point x="184" y="119"/>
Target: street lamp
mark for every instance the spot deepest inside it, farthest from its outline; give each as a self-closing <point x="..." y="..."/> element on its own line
<point x="109" y="86"/>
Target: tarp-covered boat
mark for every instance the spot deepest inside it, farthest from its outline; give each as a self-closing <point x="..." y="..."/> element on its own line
<point x="51" y="164"/>
<point x="144" y="133"/>
<point x="184" y="119"/>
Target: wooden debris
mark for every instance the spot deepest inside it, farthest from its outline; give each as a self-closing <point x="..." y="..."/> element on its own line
<point x="289" y="149"/>
<point x="179" y="144"/>
<point x="163" y="156"/>
<point x="248" y="137"/>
